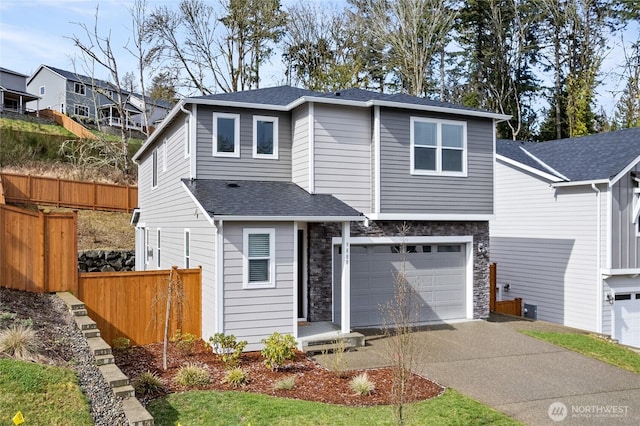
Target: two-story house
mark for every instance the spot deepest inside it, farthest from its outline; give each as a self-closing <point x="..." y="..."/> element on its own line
<point x="92" y="99"/>
<point x="293" y="202"/>
<point x="566" y="235"/>
<point x="13" y="92"/>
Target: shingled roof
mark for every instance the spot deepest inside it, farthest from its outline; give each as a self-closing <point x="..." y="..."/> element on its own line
<point x="586" y="158"/>
<point x="248" y="198"/>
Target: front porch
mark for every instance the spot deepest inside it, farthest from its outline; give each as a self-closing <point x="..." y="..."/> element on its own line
<point x="325" y="336"/>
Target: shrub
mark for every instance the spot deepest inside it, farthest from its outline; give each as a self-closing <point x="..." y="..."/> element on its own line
<point x="236" y="377"/>
<point x="362" y="385"/>
<point x="193" y="375"/>
<point x="18" y="341"/>
<point x="120" y="343"/>
<point x="278" y="348"/>
<point x="185" y="342"/>
<point x="227" y="348"/>
<point x="148" y="383"/>
<point x="287" y="383"/>
<point x="9" y="317"/>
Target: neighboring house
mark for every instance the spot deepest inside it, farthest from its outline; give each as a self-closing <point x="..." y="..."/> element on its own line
<point x="88" y="98"/>
<point x="13" y="92"/>
<point x="292" y="202"/>
<point x="566" y="236"/>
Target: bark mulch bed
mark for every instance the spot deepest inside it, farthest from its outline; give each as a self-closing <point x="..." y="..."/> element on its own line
<point x="313" y="382"/>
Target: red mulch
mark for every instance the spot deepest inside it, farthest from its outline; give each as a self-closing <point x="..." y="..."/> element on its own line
<point x="313" y="382"/>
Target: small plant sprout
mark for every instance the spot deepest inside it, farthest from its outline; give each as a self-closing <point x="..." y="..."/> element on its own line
<point x="362" y="385"/>
<point x="192" y="375"/>
<point x="287" y="383"/>
<point x="236" y="377"/>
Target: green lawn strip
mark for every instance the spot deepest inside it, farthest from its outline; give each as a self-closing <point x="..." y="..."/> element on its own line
<point x="45" y="395"/>
<point x="593" y="347"/>
<point x="244" y="408"/>
<point x="32" y="127"/>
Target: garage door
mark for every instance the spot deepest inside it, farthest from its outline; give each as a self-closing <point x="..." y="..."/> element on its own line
<point x="626" y="312"/>
<point x="436" y="273"/>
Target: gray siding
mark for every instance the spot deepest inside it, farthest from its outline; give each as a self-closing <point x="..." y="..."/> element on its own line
<point x="13" y="82"/>
<point x="402" y="192"/>
<point x="55" y="96"/>
<point x="300" y="147"/>
<point x="169" y="207"/>
<point x="545" y="245"/>
<point x="246" y="167"/>
<point x="342" y="154"/>
<point x="625" y="244"/>
<point x="253" y="314"/>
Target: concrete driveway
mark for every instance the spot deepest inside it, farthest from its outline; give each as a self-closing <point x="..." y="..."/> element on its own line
<point x="519" y="375"/>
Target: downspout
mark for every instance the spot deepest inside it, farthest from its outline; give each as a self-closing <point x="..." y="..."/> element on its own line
<point x="599" y="287"/>
<point x="219" y="282"/>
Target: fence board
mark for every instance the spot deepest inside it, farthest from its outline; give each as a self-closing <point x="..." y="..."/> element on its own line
<point x="68" y="123"/>
<point x="132" y="304"/>
<point x="509" y="307"/>
<point x="68" y="193"/>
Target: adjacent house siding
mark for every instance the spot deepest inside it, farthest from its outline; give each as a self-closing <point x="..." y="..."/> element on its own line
<point x="170" y="208"/>
<point x="625" y="244"/>
<point x="12" y="81"/>
<point x="246" y="167"/>
<point x="300" y="147"/>
<point x="55" y="96"/>
<point x="402" y="192"/>
<point x="544" y="242"/>
<point x="253" y="314"/>
<point x="342" y="153"/>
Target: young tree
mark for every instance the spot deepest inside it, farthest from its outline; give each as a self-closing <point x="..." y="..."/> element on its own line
<point x="627" y="112"/>
<point x="163" y="87"/>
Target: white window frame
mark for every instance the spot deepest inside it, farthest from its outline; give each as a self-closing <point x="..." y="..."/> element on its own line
<point x="187" y="143"/>
<point x="79" y="89"/>
<point x="154" y="168"/>
<point x="164" y="156"/>
<point x="635" y="218"/>
<point x="158" y="248"/>
<point x="148" y="251"/>
<point x="438" y="171"/>
<point x="43" y="90"/>
<point x="236" y="135"/>
<point x="267" y="119"/>
<point x="81" y="106"/>
<point x="187" y="248"/>
<point x="271" y="283"/>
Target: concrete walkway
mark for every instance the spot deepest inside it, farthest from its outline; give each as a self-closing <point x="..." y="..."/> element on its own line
<point x="519" y="375"/>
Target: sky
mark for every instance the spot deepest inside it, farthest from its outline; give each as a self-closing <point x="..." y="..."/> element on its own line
<point x="35" y="32"/>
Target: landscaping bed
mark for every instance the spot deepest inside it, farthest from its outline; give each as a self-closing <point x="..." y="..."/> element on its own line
<point x="312" y="381"/>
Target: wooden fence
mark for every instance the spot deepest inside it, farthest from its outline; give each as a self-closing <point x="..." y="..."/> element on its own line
<point x="133" y="304"/>
<point x="71" y="125"/>
<point x="38" y="251"/>
<point x="68" y="193"/>
<point x="509" y="307"/>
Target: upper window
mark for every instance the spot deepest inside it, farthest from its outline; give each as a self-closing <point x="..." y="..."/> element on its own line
<point x="81" y="110"/>
<point x="79" y="88"/>
<point x="154" y="167"/>
<point x="259" y="258"/>
<point x="226" y="135"/>
<point x="438" y="147"/>
<point x="265" y="137"/>
<point x="42" y="90"/>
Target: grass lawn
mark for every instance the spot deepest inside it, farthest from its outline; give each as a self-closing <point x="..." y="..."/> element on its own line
<point x="45" y="395"/>
<point x="593" y="347"/>
<point x="33" y="127"/>
<point x="244" y="408"/>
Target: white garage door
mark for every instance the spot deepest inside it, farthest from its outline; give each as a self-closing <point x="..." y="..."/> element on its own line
<point x="436" y="272"/>
<point x="626" y="313"/>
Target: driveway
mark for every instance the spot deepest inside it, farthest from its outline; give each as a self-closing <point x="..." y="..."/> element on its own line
<point x="519" y="375"/>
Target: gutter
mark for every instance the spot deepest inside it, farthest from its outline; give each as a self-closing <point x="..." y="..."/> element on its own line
<point x="599" y="286"/>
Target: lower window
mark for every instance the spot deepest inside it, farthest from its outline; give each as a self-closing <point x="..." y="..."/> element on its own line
<point x="259" y="257"/>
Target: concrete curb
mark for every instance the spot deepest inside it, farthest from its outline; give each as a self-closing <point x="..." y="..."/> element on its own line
<point x="136" y="414"/>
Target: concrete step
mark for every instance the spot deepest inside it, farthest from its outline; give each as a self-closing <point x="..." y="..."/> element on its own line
<point x="136" y="414"/>
<point x="355" y="339"/>
<point x="79" y="312"/>
<point x="98" y="346"/>
<point x="327" y="347"/>
<point x="125" y="391"/>
<point x="104" y="360"/>
<point x="113" y="376"/>
<point x="86" y="323"/>
<point x="94" y="332"/>
<point x="70" y="300"/>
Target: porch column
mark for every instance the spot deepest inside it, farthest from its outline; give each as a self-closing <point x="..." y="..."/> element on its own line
<point x="345" y="283"/>
<point x="1" y="100"/>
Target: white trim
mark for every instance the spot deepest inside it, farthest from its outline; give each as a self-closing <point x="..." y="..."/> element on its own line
<point x="219" y="282"/>
<point x="377" y="165"/>
<point x="82" y="86"/>
<point x="236" y="134"/>
<point x="599" y="283"/>
<point x="265" y="119"/>
<point x="75" y="112"/>
<point x="197" y="203"/>
<point x="431" y="217"/>
<point x="609" y="242"/>
<point x="158" y="247"/>
<point x="302" y="226"/>
<point x="461" y="239"/>
<point x="295" y="280"/>
<point x="469" y="276"/>
<point x="271" y="283"/>
<point x="528" y="168"/>
<point x="186" y="258"/>
<point x="147" y="247"/>
<point x="290" y="218"/>
<point x="234" y="104"/>
<point x="155" y="170"/>
<point x="345" y="279"/>
<point x="135" y="217"/>
<point x="187" y="138"/>
<point x="438" y="147"/>
<point x="545" y="165"/>
<point x="613" y="272"/>
<point x="193" y="158"/>
<point x="580" y="183"/>
<point x="312" y="147"/>
<point x="164" y="155"/>
<point x="625" y="171"/>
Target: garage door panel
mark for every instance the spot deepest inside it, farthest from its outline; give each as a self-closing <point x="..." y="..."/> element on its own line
<point x="626" y="310"/>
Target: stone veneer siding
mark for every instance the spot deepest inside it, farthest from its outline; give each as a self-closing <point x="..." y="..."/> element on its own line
<point x="320" y="257"/>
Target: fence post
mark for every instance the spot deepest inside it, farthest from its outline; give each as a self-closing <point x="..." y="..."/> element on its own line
<point x="95" y="195"/>
<point x="29" y="185"/>
<point x="492" y="287"/>
<point x="43" y="254"/>
<point x="59" y="190"/>
<point x="74" y="285"/>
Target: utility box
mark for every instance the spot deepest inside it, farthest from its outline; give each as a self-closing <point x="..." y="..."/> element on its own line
<point x="530" y="311"/>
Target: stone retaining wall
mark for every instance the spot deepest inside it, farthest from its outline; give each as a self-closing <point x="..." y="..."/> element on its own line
<point x="106" y="261"/>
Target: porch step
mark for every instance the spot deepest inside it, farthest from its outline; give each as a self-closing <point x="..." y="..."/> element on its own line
<point x="93" y="332"/>
<point x="70" y="300"/>
<point x="104" y="359"/>
<point x="136" y="414"/>
<point x="98" y="346"/>
<point x="331" y="342"/>
<point x="326" y="348"/>
<point x="85" y="323"/>
<point x="113" y="376"/>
